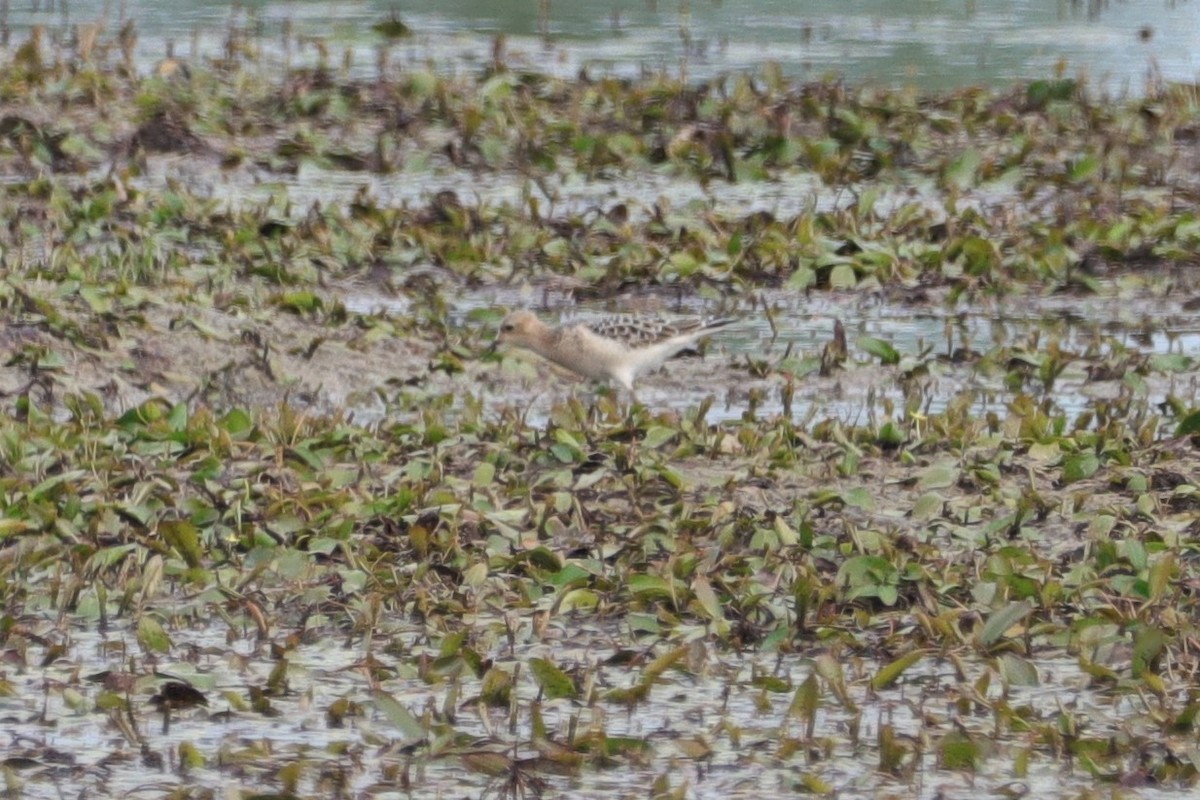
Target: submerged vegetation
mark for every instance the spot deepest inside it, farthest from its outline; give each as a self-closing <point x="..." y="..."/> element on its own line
<point x="210" y="570"/>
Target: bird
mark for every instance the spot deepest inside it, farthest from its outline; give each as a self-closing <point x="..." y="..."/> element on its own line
<point x="616" y="349"/>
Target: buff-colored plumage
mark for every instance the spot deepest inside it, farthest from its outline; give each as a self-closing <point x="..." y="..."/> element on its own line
<point x="617" y="349"/>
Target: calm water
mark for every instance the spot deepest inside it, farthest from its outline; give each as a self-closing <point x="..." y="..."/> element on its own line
<point x="1118" y="45"/>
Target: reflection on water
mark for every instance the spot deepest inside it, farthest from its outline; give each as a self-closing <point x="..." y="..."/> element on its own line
<point x="1121" y="46"/>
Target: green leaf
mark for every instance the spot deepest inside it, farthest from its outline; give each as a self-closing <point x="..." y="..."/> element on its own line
<point x="485" y="474"/>
<point x="961" y="171"/>
<point x="842" y="277"/>
<point x="807" y="699"/>
<point x="151" y="636"/>
<point x="1046" y="452"/>
<point x="149" y="411"/>
<point x="555" y="683"/>
<point x="880" y="349"/>
<point x="799" y="367"/>
<point x="890" y="673"/>
<point x="928" y="506"/>
<point x="1148" y="644"/>
<point x="771" y="683"/>
<point x="802" y="278"/>
<point x="44" y="490"/>
<point x="573" y="450"/>
<point x="859" y="497"/>
<point x="1017" y="671"/>
<point x="1171" y="362"/>
<point x="15" y="527"/>
<point x="496" y="687"/>
<point x="658" y="666"/>
<point x="957" y="751"/>
<point x="1083" y="168"/>
<point x="684" y="263"/>
<point x="1000" y="622"/>
<point x="613" y="746"/>
<point x="578" y="599"/>
<point x="649" y="586"/>
<point x="237" y="423"/>
<point x="107" y="557"/>
<point x="1189" y="424"/>
<point x="979" y="255"/>
<point x="890" y="435"/>
<point x="708" y="599"/>
<point x="399" y="716"/>
<point x="51" y="360"/>
<point x="941" y="475"/>
<point x="299" y="302"/>
<point x="177" y="418"/>
<point x="1080" y="466"/>
<point x="569" y="575"/>
<point x="392" y="28"/>
<point x="98" y="300"/>
<point x="658" y="435"/>
<point x="812" y="784"/>
<point x="183" y="537"/>
<point x="1039" y="94"/>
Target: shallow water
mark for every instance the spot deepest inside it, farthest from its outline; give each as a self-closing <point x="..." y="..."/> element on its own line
<point x="1109" y="325"/>
<point x="1122" y="46"/>
<point x="715" y="694"/>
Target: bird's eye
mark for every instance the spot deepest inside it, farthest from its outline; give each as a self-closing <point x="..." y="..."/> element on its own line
<point x="506" y="328"/>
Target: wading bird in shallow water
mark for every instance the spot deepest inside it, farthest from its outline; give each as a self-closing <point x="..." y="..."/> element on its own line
<point x="616" y="349"/>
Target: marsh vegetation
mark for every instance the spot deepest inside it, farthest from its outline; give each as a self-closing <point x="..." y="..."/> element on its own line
<point x="270" y="520"/>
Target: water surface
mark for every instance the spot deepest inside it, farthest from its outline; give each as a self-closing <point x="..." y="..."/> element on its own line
<point x="1122" y="47"/>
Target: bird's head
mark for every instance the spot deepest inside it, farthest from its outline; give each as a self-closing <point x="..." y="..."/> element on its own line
<point x="519" y="328"/>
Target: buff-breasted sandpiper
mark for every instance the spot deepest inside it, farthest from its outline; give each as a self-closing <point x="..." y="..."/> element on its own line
<point x="616" y="349"/>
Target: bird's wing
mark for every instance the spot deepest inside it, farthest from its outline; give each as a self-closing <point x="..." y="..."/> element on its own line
<point x="635" y="331"/>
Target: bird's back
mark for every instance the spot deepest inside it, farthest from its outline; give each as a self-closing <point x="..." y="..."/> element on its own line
<point x="636" y="332"/>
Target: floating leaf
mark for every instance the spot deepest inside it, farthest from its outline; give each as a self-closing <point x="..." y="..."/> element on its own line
<point x="958" y="751"/>
<point x="151" y="636"/>
<point x="496" y="688"/>
<point x="398" y="715"/>
<point x="880" y="349"/>
<point x="890" y="673"/>
<point x="1017" y="671"/>
<point x="1171" y="362"/>
<point x="1148" y="644"/>
<point x="555" y="683"/>
<point x="1000" y="622"/>
<point x="487" y="762"/>
<point x="806" y="700"/>
<point x="661" y="664"/>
